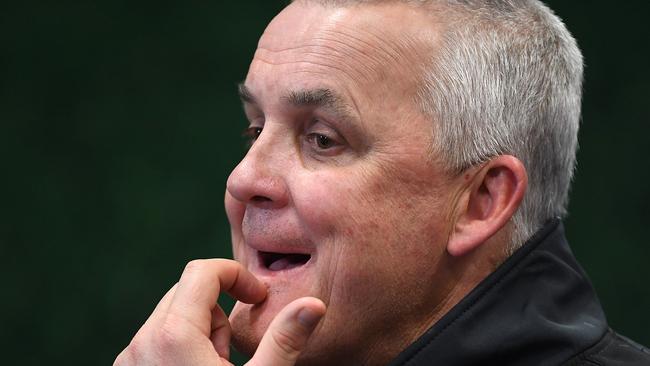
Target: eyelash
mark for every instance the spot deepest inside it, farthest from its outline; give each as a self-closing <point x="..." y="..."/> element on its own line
<point x="251" y="134"/>
<point x="322" y="141"/>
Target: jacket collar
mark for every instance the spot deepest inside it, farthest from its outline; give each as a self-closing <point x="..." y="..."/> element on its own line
<point x="538" y="307"/>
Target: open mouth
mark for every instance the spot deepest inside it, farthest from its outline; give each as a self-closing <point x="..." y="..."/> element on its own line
<point x="283" y="261"/>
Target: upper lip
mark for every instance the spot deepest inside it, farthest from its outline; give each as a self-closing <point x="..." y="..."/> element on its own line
<point x="284" y="247"/>
<point x="278" y="242"/>
<point x="274" y="236"/>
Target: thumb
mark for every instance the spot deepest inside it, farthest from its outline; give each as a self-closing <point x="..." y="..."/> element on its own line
<point x="288" y="333"/>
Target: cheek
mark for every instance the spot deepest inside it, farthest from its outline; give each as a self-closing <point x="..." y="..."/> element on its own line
<point x="333" y="212"/>
<point x="362" y="223"/>
<point x="234" y="210"/>
<point x="374" y="222"/>
<point x="366" y="204"/>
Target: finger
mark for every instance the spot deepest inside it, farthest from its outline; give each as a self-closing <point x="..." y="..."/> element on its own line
<point x="163" y="304"/>
<point x="225" y="362"/>
<point x="221" y="331"/>
<point x="200" y="285"/>
<point x="160" y="309"/>
<point x="128" y="356"/>
<point x="288" y="333"/>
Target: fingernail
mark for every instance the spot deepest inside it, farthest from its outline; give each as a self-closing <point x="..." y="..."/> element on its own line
<point x="308" y="318"/>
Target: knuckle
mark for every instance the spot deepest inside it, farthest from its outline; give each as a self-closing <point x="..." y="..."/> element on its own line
<point x="223" y="262"/>
<point x="130" y="355"/>
<point x="194" y="265"/>
<point x="288" y="344"/>
<point x="123" y="358"/>
<point x="203" y="265"/>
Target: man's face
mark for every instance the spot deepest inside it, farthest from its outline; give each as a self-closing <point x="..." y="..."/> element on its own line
<point x="338" y="197"/>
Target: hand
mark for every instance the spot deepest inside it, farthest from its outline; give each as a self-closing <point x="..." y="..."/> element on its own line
<point x="188" y="327"/>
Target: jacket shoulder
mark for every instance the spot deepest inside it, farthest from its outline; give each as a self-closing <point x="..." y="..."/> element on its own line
<point x="613" y="350"/>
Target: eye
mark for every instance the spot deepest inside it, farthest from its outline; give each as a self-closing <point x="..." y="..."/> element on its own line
<point x="251" y="134"/>
<point x="323" y="142"/>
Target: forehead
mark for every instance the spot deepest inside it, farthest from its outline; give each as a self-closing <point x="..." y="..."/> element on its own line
<point x="383" y="45"/>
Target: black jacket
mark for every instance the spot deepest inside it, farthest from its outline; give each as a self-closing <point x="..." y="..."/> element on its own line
<point x="537" y="308"/>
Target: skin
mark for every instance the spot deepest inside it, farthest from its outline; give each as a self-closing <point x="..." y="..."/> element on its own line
<point x="187" y="327"/>
<point x="376" y="214"/>
<point x="339" y="169"/>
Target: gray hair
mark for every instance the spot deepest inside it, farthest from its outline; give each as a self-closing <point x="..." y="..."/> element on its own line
<point x="506" y="79"/>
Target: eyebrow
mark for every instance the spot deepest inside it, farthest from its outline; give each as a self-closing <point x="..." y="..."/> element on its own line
<point x="319" y="98"/>
<point x="323" y="98"/>
<point x="314" y="98"/>
<point x="245" y="94"/>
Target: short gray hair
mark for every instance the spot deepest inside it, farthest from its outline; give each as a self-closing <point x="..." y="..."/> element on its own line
<point x="506" y="79"/>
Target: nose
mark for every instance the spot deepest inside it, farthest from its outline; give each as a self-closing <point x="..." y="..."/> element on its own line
<point x="259" y="179"/>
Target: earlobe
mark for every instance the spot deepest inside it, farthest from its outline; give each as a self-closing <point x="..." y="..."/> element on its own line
<point x="490" y="200"/>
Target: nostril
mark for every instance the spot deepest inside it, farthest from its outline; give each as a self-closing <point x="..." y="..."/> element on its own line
<point x="260" y="199"/>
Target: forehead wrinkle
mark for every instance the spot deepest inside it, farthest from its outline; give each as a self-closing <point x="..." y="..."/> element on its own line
<point x="360" y="49"/>
<point x="309" y="58"/>
<point x="321" y="54"/>
<point x="373" y="28"/>
<point x="362" y="52"/>
<point x="361" y="56"/>
<point x="405" y="50"/>
<point x="361" y="44"/>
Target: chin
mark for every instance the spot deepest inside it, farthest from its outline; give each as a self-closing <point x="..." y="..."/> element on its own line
<point x="250" y="322"/>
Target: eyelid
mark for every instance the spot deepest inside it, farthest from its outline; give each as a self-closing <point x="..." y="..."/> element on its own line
<point x="251" y="134"/>
<point x="311" y="137"/>
<point x="321" y="127"/>
<point x="252" y="131"/>
<point x="253" y="114"/>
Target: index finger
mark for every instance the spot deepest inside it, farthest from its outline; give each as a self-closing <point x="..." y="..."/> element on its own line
<point x="201" y="283"/>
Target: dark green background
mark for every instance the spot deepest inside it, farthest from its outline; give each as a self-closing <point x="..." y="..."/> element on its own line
<point x="119" y="124"/>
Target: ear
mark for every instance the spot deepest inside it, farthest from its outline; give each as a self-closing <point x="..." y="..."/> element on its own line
<point x="491" y="199"/>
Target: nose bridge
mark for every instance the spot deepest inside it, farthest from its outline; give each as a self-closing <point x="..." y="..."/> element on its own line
<point x="260" y="177"/>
